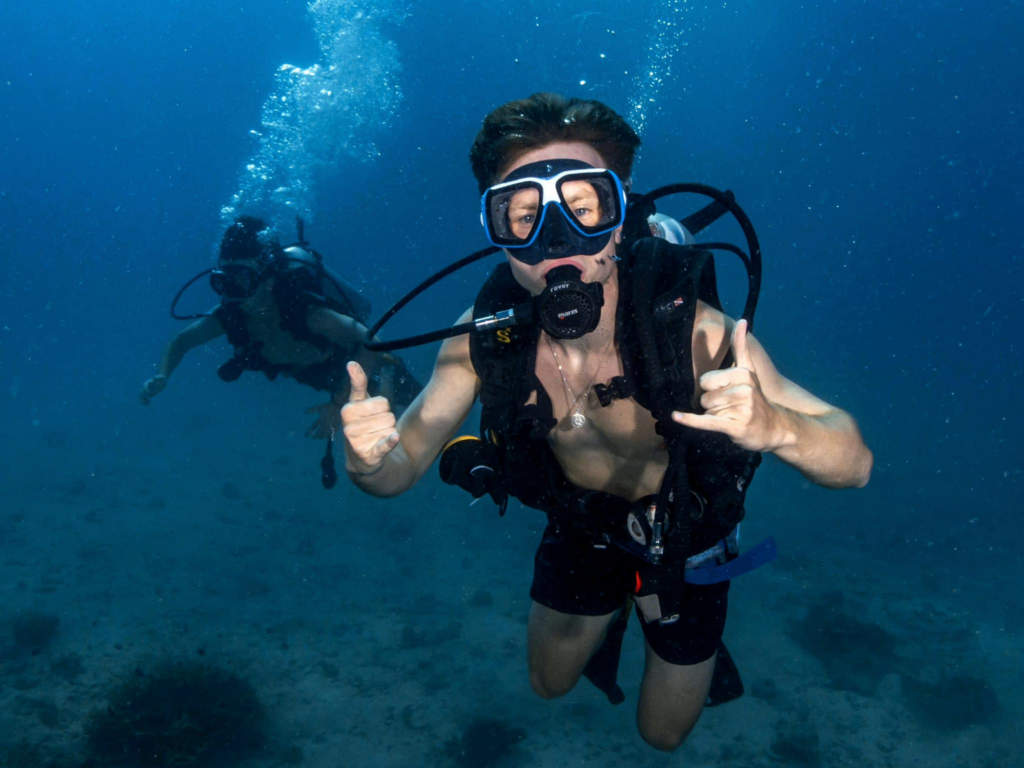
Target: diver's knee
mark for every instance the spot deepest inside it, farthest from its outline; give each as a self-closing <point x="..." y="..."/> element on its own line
<point x="662" y="741"/>
<point x="663" y="738"/>
<point x="548" y="686"/>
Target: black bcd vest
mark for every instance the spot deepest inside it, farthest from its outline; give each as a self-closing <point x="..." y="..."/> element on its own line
<point x="659" y="285"/>
<point x="295" y="291"/>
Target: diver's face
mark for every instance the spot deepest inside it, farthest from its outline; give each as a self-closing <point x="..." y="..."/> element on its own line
<point x="598" y="268"/>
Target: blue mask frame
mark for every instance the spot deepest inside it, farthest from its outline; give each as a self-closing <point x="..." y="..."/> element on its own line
<point x="554" y="237"/>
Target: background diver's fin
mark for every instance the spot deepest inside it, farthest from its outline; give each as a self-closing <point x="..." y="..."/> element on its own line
<point x="726" y="684"/>
<point x="603" y="668"/>
<point x="328" y="474"/>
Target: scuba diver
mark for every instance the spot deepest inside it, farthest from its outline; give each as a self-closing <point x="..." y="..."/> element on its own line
<point x="285" y="314"/>
<point x="618" y="398"/>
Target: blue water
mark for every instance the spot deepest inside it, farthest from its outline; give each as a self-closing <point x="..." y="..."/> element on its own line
<point x="876" y="147"/>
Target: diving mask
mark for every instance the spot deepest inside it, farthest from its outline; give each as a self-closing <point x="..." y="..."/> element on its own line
<point x="552" y="209"/>
<point x="237" y="279"/>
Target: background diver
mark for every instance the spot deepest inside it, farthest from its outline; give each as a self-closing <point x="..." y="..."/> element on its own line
<point x="285" y="314"/>
<point x="586" y="427"/>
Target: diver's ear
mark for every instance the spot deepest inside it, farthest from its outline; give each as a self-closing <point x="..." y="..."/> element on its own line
<point x="618" y="236"/>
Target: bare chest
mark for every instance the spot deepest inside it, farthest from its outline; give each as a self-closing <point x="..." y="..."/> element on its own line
<point x="613" y="449"/>
<point x="277" y="345"/>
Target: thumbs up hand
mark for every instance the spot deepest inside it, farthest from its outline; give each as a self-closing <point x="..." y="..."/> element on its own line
<point x="368" y="426"/>
<point x="734" y="404"/>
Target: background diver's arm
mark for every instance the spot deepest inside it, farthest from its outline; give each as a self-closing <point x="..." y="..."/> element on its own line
<point x="427" y="425"/>
<point x="345" y="332"/>
<point x="202" y="331"/>
<point x="338" y="328"/>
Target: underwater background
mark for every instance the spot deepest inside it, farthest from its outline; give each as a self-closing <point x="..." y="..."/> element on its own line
<point x="875" y="145"/>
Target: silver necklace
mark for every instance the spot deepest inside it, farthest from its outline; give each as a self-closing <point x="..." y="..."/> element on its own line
<point x="578" y="420"/>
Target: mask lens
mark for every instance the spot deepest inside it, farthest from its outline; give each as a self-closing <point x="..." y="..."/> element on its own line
<point x="512" y="213"/>
<point x="523" y="207"/>
<point x="592" y="203"/>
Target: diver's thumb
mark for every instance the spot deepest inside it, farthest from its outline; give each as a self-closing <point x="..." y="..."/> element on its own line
<point x="357" y="377"/>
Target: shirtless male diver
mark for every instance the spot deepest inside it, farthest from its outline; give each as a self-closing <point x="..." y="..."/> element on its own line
<point x="545" y="141"/>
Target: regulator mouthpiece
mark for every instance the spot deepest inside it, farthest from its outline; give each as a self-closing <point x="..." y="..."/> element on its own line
<point x="569" y="308"/>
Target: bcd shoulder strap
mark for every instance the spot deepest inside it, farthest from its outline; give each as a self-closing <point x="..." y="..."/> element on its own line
<point x="501" y="357"/>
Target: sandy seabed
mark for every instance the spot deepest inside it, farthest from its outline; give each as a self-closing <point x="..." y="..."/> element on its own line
<point x="393" y="633"/>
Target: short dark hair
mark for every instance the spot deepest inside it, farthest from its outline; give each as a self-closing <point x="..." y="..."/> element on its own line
<point x="242" y="240"/>
<point x="519" y="126"/>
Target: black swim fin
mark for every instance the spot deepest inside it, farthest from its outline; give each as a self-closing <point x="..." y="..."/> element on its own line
<point x="231" y="370"/>
<point x="726" y="684"/>
<point x="328" y="474"/>
<point x="603" y="668"/>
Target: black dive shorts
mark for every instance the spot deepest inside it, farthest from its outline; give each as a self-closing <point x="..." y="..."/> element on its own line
<point x="571" y="576"/>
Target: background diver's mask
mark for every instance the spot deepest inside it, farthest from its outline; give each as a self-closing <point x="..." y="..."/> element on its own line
<point x="237" y="280"/>
<point x="554" y="209"/>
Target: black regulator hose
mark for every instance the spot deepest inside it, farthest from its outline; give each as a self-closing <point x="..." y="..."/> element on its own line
<point x="709" y="214"/>
<point x="635" y="227"/>
<point x="427" y="337"/>
<point x="185" y="287"/>
<point x="722" y="202"/>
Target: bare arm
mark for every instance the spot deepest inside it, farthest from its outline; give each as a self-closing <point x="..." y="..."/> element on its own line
<point x="820" y="440"/>
<point x="341" y="329"/>
<point x="761" y="410"/>
<point x="385" y="459"/>
<point x="201" y="332"/>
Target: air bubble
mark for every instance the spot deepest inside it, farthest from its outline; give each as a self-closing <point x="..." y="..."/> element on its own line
<point x="318" y="117"/>
<point x="662" y="47"/>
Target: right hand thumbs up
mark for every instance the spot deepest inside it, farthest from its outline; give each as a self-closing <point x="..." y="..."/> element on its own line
<point x="368" y="426"/>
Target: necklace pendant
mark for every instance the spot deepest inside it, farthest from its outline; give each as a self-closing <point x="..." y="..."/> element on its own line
<point x="578" y="420"/>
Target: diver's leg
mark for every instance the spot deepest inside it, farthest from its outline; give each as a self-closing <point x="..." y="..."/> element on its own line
<point x="679" y="664"/>
<point x="559" y="645"/>
<point x="672" y="697"/>
<point x="577" y="591"/>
